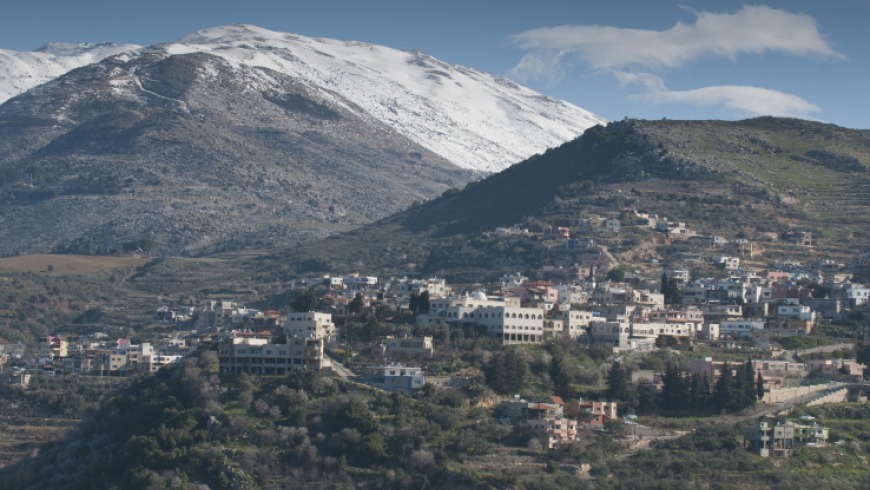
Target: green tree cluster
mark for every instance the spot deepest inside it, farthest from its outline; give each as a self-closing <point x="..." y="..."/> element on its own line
<point x="735" y="389"/>
<point x="305" y="301"/>
<point x="506" y="372"/>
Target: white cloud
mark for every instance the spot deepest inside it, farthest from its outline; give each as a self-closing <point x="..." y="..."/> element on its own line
<point x="740" y="100"/>
<point x="754" y="29"/>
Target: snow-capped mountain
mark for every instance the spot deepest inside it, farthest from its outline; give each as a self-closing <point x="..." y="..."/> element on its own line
<point x="476" y="120"/>
<point x="20" y="71"/>
<point x="242" y="137"/>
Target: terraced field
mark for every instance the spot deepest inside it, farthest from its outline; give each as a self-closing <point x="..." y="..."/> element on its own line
<point x="22" y="436"/>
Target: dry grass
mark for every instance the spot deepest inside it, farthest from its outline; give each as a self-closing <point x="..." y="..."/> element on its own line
<point x="86" y="265"/>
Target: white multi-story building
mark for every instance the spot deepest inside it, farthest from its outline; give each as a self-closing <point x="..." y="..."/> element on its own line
<point x="716" y="313"/>
<point x="679" y="275"/>
<point x="503" y="317"/>
<point x="800" y="312"/>
<point x="310" y="325"/>
<point x="856" y="295"/>
<point x="690" y="317"/>
<point x="512" y="324"/>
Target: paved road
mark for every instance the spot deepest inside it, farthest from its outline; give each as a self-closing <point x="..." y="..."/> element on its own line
<point x="339" y="368"/>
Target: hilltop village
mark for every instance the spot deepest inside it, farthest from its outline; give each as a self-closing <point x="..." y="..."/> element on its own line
<point x="654" y="339"/>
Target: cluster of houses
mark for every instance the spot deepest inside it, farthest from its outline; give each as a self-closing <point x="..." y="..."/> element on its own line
<point x="745" y="304"/>
<point x="740" y="306"/>
<point x="739" y="303"/>
<point x="92" y="355"/>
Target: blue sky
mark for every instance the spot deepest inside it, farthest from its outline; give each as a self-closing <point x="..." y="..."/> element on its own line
<point x="645" y="58"/>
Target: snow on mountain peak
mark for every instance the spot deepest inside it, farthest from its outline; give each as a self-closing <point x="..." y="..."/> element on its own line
<point x="20" y="71"/>
<point x="474" y="119"/>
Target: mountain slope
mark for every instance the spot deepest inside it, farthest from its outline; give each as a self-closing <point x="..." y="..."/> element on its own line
<point x="756" y="179"/>
<point x="187" y="151"/>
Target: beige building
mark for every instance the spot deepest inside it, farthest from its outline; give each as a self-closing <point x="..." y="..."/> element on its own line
<point x="570" y="323"/>
<point x="410" y="346"/>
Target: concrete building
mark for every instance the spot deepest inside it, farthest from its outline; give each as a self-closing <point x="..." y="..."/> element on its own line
<point x="768" y="440"/>
<point x="258" y="356"/>
<point x="740" y="328"/>
<point x="591" y="414"/>
<point x="410" y="347"/>
<point x="558" y="431"/>
<point x="502" y="317"/>
<point x="310" y="325"/>
<point x="395" y="377"/>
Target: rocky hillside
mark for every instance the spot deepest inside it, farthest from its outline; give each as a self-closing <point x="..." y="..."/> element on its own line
<point x="191" y="154"/>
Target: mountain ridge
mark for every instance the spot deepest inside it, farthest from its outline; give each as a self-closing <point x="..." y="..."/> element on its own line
<point x="478" y="121"/>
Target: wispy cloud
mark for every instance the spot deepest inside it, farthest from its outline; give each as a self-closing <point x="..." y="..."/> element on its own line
<point x="754" y="29"/>
<point x="631" y="54"/>
<point x="739" y="99"/>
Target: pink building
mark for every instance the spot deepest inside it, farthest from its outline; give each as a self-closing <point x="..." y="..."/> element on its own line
<point x="559" y="430"/>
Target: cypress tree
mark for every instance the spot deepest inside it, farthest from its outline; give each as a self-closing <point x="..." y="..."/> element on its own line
<point x="706" y="389"/>
<point x="740" y="398"/>
<point x="414" y="302"/>
<point x="759" y="386"/>
<point x="696" y="398"/>
<point x="723" y="391"/>
<point x="423" y="302"/>
<point x="617" y="382"/>
<point x="749" y="387"/>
